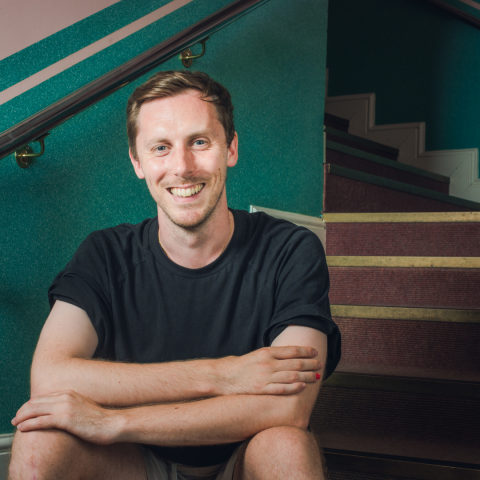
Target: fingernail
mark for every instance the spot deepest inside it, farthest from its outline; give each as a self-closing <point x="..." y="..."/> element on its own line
<point x="315" y="353"/>
<point x="318" y="376"/>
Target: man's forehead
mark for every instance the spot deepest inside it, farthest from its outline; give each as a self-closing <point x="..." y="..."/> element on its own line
<point x="178" y="111"/>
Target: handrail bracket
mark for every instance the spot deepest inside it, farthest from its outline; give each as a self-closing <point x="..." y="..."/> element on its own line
<point x="25" y="155"/>
<point x="187" y="55"/>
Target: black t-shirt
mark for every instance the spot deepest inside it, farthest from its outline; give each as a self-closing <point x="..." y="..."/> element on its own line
<point x="147" y="309"/>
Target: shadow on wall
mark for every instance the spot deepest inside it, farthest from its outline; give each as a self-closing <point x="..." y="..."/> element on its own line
<point x="422" y="64"/>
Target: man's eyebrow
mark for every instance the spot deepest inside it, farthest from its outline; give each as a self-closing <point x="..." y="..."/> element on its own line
<point x="200" y="133"/>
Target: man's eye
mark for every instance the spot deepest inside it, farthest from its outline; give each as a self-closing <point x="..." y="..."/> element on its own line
<point x="199" y="142"/>
<point x="160" y="149"/>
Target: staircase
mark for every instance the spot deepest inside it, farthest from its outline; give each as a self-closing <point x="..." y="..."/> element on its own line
<point x="404" y="262"/>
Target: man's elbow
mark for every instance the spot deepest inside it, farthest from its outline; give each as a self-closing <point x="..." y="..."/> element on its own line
<point x="46" y="379"/>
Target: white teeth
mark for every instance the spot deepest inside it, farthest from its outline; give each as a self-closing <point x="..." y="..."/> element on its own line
<point x="186" y="192"/>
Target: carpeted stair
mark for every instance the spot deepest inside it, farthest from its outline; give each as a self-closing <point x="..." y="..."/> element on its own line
<point x="404" y="262"/>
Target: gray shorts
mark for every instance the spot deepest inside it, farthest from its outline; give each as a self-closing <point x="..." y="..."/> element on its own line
<point x="160" y="469"/>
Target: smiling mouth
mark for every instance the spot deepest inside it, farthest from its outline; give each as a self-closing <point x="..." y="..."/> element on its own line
<point x="186" y="192"/>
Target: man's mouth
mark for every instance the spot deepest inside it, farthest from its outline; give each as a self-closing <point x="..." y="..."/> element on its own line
<point x="186" y="192"/>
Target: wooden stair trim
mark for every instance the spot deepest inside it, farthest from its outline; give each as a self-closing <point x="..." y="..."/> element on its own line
<point x="399" y="186"/>
<point x="405" y="467"/>
<point x="403" y="262"/>
<point x="447" y="315"/>
<point x="361" y="140"/>
<point x="414" y="217"/>
<point x="371" y="157"/>
<point x="419" y="386"/>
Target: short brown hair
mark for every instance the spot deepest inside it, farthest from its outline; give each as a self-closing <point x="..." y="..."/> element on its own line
<point x="174" y="82"/>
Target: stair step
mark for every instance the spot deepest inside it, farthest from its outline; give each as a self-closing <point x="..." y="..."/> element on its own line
<point x="351" y="465"/>
<point x="410" y="348"/>
<point x="347" y="190"/>
<point x="419" y="425"/>
<point x="351" y="158"/>
<point x="361" y="143"/>
<point x="437" y="239"/>
<point x="405" y="287"/>
<point x="335" y="122"/>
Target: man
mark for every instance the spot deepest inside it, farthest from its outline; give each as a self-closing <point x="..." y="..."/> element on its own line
<point x="118" y="391"/>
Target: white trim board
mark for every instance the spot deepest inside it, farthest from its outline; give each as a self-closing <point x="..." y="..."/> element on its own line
<point x="92" y="49"/>
<point x="460" y="165"/>
<point x="315" y="224"/>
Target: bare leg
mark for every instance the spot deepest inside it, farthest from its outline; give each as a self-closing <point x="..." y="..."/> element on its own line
<point x="54" y="454"/>
<point x="283" y="453"/>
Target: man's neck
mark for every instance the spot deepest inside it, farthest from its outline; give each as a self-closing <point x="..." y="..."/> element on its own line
<point x="198" y="247"/>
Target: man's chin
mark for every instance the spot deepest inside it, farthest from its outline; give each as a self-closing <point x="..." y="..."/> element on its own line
<point x="188" y="220"/>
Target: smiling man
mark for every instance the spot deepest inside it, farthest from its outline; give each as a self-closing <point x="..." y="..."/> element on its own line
<point x="192" y="344"/>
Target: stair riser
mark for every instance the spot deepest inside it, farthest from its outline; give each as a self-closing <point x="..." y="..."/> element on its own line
<point x="404" y="239"/>
<point x="384" y="171"/>
<point x="405" y="287"/>
<point x="359" y="146"/>
<point x="448" y="351"/>
<point x="405" y="424"/>
<point x="336" y="122"/>
<point x="344" y="195"/>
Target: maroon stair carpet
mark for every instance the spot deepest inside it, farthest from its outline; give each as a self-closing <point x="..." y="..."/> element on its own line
<point x="388" y="172"/>
<point x="439" y="350"/>
<point x="404" y="387"/>
<point x="404" y="239"/>
<point x="405" y="287"/>
<point x="345" y="195"/>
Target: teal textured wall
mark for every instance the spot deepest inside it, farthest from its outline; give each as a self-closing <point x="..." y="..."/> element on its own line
<point x="423" y="65"/>
<point x="85" y="181"/>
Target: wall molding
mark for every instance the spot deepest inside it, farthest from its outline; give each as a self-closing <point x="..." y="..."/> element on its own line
<point x="460" y="165"/>
<point x="86" y="52"/>
<point x="6" y="440"/>
<point x="315" y="224"/>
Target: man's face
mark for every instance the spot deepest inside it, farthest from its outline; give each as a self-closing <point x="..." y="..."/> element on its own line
<point x="183" y="156"/>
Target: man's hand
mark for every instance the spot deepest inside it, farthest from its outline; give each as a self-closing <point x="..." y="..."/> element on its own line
<point x="270" y="371"/>
<point x="67" y="411"/>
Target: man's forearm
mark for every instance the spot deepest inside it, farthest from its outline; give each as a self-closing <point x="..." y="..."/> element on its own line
<point x="115" y="384"/>
<point x="211" y="421"/>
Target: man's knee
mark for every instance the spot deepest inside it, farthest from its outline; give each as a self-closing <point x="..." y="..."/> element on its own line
<point x="38" y="453"/>
<point x="282" y="440"/>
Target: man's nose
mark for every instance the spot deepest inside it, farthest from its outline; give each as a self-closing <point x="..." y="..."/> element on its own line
<point x="183" y="161"/>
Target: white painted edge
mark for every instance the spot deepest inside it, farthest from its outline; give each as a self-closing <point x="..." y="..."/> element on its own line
<point x="77" y="57"/>
<point x="460" y="165"/>
<point x="6" y="440"/>
<point x="314" y="224"/>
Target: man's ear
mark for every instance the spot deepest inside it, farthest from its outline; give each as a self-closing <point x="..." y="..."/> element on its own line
<point x="136" y="165"/>
<point x="233" y="152"/>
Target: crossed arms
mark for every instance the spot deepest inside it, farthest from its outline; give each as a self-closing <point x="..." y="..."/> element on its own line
<point x="198" y="402"/>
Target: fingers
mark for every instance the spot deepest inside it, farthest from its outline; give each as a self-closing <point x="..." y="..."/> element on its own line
<point x="281" y="353"/>
<point x="296" y="377"/>
<point x="38" y="423"/>
<point x="298" y="364"/>
<point x="284" y="389"/>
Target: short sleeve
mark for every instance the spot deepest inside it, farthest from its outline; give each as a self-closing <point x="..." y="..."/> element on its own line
<point x="301" y="296"/>
<point x="84" y="283"/>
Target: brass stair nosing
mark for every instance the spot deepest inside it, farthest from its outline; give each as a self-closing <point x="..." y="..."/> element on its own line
<point x="405" y="468"/>
<point x="414" y="217"/>
<point x="406" y="313"/>
<point x="419" y="386"/>
<point x="402" y="262"/>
